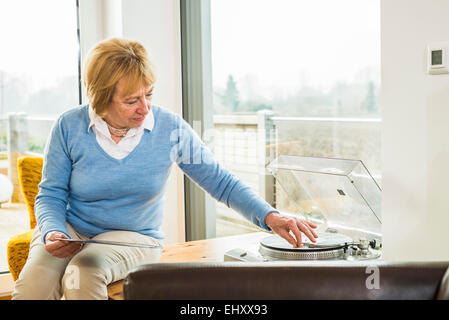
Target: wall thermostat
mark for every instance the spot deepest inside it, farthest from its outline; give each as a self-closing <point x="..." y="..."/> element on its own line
<point x="437" y="58"/>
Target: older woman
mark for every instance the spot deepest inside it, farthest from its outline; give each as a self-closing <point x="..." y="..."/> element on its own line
<point x="105" y="175"/>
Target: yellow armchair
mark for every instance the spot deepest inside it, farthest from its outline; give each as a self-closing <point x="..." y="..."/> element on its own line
<point x="30" y="174"/>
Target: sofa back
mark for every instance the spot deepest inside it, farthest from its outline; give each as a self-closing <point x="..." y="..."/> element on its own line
<point x="310" y="280"/>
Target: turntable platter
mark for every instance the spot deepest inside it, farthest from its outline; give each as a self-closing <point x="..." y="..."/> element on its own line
<point x="331" y="246"/>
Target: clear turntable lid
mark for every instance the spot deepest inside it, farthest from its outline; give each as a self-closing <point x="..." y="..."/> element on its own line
<point x="339" y="194"/>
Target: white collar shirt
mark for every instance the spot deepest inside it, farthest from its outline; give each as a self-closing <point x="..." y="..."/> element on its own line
<point x="127" y="144"/>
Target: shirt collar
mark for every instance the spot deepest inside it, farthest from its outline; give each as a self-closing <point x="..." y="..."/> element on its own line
<point x="101" y="125"/>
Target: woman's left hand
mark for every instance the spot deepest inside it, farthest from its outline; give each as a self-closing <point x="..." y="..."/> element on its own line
<point x="282" y="226"/>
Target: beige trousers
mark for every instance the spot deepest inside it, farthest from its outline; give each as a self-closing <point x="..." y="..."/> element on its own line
<point x="86" y="274"/>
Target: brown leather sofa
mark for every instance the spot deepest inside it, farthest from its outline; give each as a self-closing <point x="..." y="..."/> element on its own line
<point x="313" y="280"/>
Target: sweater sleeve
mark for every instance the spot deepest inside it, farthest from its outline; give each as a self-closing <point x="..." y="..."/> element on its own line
<point x="51" y="200"/>
<point x="199" y="164"/>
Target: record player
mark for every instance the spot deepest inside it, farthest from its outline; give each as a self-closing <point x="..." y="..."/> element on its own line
<point x="340" y="196"/>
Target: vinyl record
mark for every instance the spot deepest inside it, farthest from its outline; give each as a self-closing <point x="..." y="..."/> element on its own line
<point x="325" y="240"/>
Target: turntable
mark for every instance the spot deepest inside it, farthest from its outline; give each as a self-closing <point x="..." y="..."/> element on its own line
<point x="338" y="195"/>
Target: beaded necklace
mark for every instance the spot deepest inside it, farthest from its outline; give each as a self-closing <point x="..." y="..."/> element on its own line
<point x="120" y="133"/>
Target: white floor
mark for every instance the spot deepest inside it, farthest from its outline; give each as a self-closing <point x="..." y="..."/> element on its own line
<point x="14" y="219"/>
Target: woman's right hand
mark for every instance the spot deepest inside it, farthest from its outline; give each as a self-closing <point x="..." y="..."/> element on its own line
<point x="58" y="248"/>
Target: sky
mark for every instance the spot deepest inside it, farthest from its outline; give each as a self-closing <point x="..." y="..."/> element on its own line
<point x="41" y="50"/>
<point x="277" y="46"/>
<point x="269" y="46"/>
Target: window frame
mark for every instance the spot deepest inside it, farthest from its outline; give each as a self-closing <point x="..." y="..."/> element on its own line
<point x="196" y="65"/>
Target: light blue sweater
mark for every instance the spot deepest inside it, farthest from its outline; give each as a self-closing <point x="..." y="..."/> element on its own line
<point x="84" y="186"/>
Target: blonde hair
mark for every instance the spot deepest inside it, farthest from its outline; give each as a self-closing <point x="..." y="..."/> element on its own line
<point x="108" y="62"/>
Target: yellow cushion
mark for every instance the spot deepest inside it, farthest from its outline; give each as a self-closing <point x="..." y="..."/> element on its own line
<point x="17" y="252"/>
<point x="30" y="174"/>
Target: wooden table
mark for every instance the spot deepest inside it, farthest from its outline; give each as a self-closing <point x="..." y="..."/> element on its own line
<point x="209" y="250"/>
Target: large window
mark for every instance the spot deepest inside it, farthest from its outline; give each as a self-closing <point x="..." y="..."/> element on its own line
<point x="305" y="72"/>
<point x="38" y="61"/>
<point x="39" y="76"/>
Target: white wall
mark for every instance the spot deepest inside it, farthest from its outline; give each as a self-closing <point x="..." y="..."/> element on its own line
<point x="156" y="24"/>
<point x="415" y="132"/>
